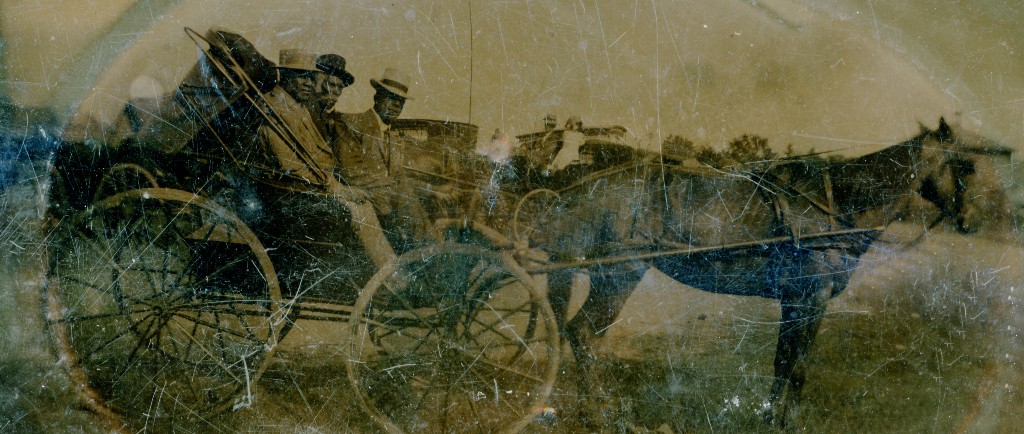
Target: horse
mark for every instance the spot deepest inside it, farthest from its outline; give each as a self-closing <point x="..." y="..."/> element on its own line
<point x="790" y="230"/>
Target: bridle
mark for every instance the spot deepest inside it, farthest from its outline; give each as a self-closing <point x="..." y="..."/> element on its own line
<point x="960" y="168"/>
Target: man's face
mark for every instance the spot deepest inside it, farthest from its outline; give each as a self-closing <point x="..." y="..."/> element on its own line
<point x="388" y="106"/>
<point x="330" y="86"/>
<point x="328" y="90"/>
<point x="301" y="85"/>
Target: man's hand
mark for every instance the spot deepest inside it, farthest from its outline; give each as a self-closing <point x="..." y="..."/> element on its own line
<point x="348" y="193"/>
<point x="446" y="195"/>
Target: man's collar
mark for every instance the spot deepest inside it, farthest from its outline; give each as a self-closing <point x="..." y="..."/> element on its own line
<point x="380" y="122"/>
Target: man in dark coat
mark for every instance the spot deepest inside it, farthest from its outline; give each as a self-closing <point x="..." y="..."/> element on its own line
<point x="331" y="80"/>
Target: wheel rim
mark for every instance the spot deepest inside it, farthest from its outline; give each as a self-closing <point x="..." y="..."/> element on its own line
<point x="532" y="211"/>
<point x="124" y="177"/>
<point x="463" y="357"/>
<point x="163" y="305"/>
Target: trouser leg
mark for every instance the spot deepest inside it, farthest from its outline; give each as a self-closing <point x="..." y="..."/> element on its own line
<point x="371" y="235"/>
<point x="407" y="224"/>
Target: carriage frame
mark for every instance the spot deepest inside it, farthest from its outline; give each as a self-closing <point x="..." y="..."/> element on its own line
<point x="167" y="296"/>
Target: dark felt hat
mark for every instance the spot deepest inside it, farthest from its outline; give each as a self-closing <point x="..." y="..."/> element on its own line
<point x="334" y="64"/>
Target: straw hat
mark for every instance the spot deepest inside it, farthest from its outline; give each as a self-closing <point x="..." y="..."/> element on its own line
<point x="393" y="81"/>
<point x="298" y="59"/>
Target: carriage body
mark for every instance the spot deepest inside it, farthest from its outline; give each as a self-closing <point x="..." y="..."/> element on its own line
<point x="436" y="147"/>
<point x="521" y="192"/>
<point x="177" y="265"/>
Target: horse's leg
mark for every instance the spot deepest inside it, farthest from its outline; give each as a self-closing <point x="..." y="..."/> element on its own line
<point x="573" y="332"/>
<point x="579" y="337"/>
<point x="801" y="316"/>
<point x="608" y="295"/>
<point x="559" y="293"/>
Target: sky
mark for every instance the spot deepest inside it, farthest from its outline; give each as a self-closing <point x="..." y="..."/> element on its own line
<point x="849" y="76"/>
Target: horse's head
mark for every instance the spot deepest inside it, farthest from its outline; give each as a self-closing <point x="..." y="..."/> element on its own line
<point x="957" y="173"/>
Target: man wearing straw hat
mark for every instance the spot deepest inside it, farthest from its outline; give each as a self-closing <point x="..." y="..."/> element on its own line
<point x="293" y="149"/>
<point x="366" y="158"/>
<point x="369" y="161"/>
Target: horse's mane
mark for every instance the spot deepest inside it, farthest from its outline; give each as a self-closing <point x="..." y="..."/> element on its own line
<point x="879" y="179"/>
<point x="885" y="156"/>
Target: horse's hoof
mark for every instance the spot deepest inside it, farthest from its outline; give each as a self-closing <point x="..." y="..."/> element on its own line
<point x="767" y="413"/>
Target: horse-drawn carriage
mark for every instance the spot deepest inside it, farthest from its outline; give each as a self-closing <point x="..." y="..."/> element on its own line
<point x="173" y="276"/>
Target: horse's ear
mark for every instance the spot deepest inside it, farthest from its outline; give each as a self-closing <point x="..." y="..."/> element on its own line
<point x="944" y="133"/>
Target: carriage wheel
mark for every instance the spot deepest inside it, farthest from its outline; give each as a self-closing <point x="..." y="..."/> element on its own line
<point x="163" y="305"/>
<point x="124" y="177"/>
<point x="532" y="211"/>
<point x="440" y="343"/>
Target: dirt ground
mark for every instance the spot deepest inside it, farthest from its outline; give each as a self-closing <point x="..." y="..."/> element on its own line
<point x="925" y="339"/>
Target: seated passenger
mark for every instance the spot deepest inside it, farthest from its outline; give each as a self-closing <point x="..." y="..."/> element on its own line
<point x="294" y="148"/>
<point x="331" y="80"/>
<point x="311" y="199"/>
<point x="367" y="159"/>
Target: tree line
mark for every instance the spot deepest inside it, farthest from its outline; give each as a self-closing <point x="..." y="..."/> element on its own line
<point x="748" y="149"/>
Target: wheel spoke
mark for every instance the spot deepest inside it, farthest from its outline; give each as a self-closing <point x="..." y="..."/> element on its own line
<point x="426" y="388"/>
<point x="112" y="339"/>
<point x="402" y="328"/>
<point x="218" y="360"/>
<point x="499" y="319"/>
<point x="155" y="344"/>
<point x="143" y="340"/>
<point x="188" y="348"/>
<point x="448" y="365"/>
<point x="216" y="326"/>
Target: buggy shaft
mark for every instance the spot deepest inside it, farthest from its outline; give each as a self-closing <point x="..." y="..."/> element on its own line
<point x="687" y="250"/>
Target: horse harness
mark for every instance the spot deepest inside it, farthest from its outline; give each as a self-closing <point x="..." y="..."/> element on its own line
<point x="778" y="192"/>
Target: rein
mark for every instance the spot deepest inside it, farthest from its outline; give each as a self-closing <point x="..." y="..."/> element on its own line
<point x="920" y="237"/>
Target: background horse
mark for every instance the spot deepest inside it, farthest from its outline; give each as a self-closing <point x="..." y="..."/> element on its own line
<point x="646" y="208"/>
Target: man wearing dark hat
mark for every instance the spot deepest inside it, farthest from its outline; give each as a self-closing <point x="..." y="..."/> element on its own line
<point x="331" y="80"/>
